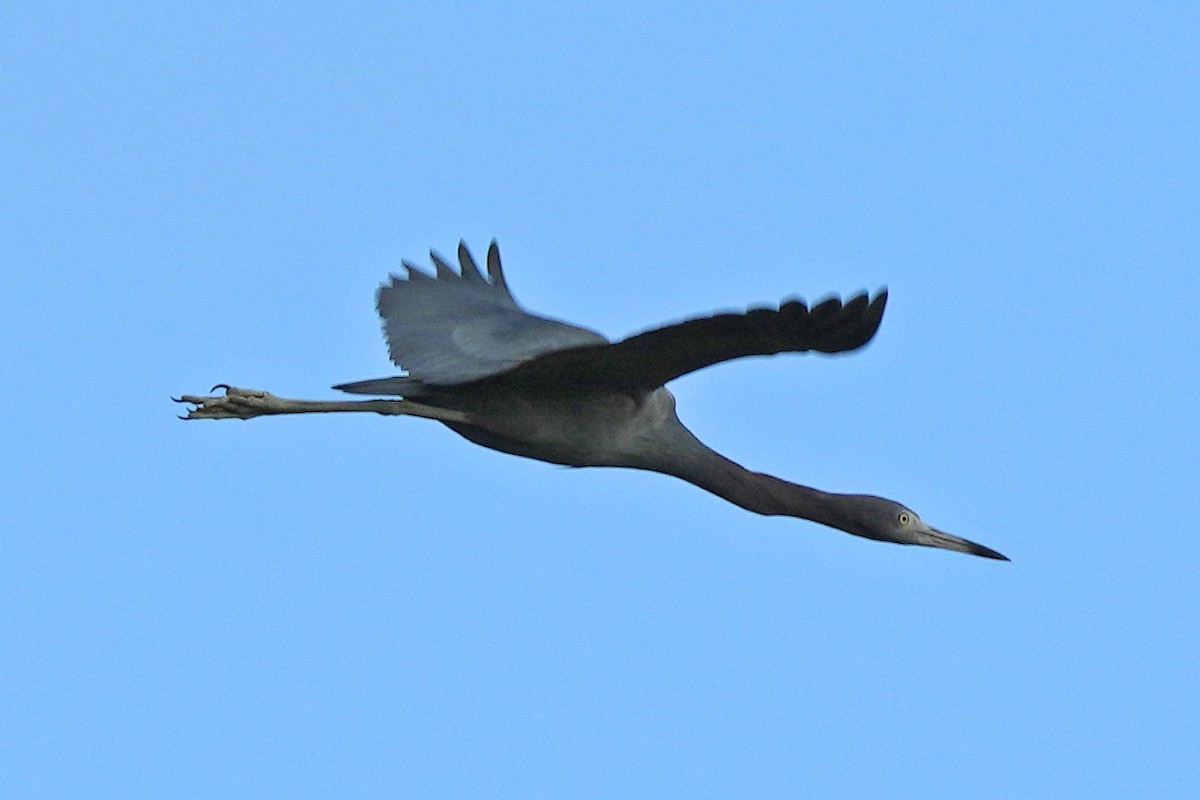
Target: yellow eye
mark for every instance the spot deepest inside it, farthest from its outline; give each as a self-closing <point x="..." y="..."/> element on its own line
<point x="905" y="518"/>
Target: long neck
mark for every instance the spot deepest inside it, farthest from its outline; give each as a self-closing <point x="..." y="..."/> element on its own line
<point x="695" y="462"/>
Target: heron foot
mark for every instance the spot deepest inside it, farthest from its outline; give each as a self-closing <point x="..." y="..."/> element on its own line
<point x="234" y="404"/>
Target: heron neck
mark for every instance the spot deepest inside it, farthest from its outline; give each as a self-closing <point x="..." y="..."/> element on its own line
<point x="753" y="491"/>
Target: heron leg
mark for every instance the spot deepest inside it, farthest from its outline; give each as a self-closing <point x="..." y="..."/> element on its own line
<point x="247" y="403"/>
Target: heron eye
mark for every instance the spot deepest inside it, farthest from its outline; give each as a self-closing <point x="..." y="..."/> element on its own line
<point x="905" y="518"/>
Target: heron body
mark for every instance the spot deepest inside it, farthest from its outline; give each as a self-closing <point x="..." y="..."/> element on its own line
<point x="609" y="429"/>
<point x="536" y="387"/>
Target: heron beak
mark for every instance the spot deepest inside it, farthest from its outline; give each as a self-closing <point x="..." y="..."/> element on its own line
<point x="932" y="537"/>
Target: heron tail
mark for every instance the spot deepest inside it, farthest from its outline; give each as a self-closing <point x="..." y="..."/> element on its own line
<point x="396" y="386"/>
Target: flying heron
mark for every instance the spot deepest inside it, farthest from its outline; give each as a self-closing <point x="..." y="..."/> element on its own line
<point x="536" y="387"/>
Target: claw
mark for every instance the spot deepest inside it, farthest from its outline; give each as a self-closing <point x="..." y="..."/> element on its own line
<point x="235" y="403"/>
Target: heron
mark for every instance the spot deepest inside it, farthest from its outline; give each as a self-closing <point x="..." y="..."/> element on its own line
<point x="532" y="386"/>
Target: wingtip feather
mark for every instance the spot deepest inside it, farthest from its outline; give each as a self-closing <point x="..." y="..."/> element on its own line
<point x="414" y="271"/>
<point x="444" y="270"/>
<point x="466" y="263"/>
<point x="495" y="270"/>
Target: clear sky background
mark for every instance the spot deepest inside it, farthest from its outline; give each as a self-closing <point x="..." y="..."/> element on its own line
<point x="359" y="606"/>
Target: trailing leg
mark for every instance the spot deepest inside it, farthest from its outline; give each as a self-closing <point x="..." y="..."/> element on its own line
<point x="238" y="403"/>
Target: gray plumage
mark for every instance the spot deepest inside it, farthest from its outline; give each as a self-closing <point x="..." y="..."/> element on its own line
<point x="458" y="328"/>
<point x="544" y="389"/>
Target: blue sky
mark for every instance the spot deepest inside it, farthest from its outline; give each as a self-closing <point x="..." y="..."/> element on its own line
<point x="358" y="606"/>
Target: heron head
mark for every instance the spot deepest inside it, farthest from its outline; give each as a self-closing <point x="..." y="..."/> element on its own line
<point x="888" y="521"/>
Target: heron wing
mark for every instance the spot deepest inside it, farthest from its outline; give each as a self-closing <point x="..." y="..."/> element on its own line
<point x="458" y="327"/>
<point x="650" y="359"/>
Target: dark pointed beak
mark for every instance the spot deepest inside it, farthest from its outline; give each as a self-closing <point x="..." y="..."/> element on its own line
<point x="932" y="537"/>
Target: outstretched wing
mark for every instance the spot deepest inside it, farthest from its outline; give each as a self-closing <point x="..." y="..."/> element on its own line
<point x="650" y="359"/>
<point x="460" y="327"/>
